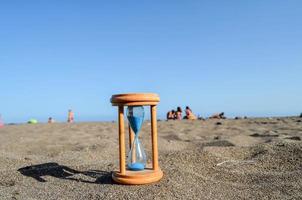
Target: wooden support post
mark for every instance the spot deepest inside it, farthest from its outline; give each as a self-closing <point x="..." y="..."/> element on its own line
<point x="154" y="138"/>
<point x="121" y="139"/>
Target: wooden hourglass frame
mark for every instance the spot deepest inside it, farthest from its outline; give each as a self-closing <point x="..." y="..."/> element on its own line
<point x="148" y="175"/>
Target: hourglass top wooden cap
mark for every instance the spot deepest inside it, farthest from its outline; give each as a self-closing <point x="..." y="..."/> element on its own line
<point x="135" y="99"/>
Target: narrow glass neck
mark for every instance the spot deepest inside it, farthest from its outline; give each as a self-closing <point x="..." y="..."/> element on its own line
<point x="136" y="135"/>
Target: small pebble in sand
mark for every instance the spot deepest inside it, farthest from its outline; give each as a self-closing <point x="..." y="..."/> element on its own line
<point x="216" y="137"/>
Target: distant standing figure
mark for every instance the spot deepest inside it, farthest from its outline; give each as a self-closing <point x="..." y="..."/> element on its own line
<point x="50" y="120"/>
<point x="1" y="122"/>
<point x="189" y="114"/>
<point x="70" y="116"/>
<point x="179" y="113"/>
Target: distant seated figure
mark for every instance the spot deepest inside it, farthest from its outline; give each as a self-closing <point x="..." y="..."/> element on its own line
<point x="179" y="113"/>
<point x="51" y="120"/>
<point x="171" y="115"/>
<point x="70" y="116"/>
<point x="218" y="116"/>
<point x="189" y="114"/>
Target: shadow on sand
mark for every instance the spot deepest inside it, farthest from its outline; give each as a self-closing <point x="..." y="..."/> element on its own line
<point x="64" y="172"/>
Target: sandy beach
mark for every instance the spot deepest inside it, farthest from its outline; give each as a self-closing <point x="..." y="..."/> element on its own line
<point x="213" y="159"/>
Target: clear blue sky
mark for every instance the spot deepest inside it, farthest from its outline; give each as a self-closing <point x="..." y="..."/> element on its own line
<point x="240" y="57"/>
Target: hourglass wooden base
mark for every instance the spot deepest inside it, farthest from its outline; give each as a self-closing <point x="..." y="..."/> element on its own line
<point x="138" y="177"/>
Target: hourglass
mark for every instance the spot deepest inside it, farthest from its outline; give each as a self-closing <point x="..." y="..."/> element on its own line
<point x="136" y="170"/>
